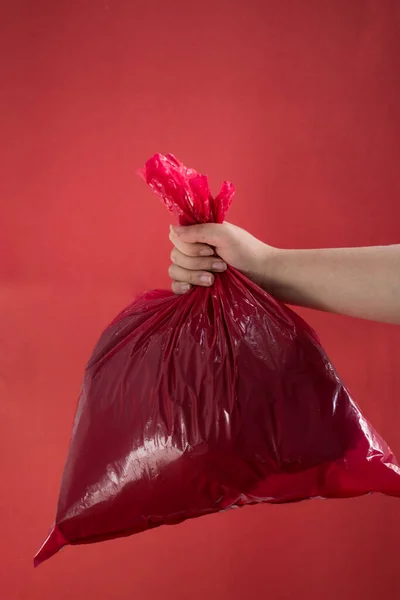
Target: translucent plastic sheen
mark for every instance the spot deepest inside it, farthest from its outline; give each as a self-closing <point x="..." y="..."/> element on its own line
<point x="195" y="404"/>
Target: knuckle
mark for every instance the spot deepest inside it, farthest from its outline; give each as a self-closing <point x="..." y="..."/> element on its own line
<point x="193" y="277"/>
<point x="199" y="263"/>
<point x="202" y="230"/>
<point x="175" y="287"/>
<point x="191" y="250"/>
<point x="188" y="249"/>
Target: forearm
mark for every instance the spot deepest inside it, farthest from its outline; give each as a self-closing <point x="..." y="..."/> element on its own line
<point x="359" y="282"/>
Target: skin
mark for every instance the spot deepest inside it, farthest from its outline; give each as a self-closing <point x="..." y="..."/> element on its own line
<point x="359" y="282"/>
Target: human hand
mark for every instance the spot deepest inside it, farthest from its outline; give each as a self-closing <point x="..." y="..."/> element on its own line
<point x="202" y="250"/>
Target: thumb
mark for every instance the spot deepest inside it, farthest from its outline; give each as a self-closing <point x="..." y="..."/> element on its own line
<point x="205" y="233"/>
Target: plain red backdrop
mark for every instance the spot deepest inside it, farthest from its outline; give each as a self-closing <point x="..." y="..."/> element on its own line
<point x="297" y="104"/>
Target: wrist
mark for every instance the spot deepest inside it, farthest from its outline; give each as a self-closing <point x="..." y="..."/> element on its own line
<point x="273" y="266"/>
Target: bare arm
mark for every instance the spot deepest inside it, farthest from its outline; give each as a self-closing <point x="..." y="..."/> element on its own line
<point x="360" y="282"/>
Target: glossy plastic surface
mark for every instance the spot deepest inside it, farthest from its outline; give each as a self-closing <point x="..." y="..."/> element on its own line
<point x="199" y="403"/>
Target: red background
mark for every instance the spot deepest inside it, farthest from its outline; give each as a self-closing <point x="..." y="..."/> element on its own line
<point x="298" y="104"/>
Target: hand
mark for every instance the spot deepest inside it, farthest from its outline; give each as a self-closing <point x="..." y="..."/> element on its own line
<point x="201" y="250"/>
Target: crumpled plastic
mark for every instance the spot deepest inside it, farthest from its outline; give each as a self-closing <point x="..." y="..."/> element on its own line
<point x="219" y="398"/>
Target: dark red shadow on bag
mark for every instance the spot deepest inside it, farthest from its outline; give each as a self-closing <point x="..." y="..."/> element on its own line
<point x="219" y="398"/>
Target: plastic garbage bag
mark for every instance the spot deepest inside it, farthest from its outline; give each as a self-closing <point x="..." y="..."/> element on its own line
<point x="195" y="404"/>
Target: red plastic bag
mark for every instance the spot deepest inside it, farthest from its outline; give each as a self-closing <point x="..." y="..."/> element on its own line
<point x="195" y="404"/>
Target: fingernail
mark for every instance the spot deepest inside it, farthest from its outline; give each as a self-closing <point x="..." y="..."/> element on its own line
<point x="185" y="287"/>
<point x="206" y="279"/>
<point x="206" y="252"/>
<point x="219" y="266"/>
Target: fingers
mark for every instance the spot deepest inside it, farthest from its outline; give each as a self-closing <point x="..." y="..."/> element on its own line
<point x="189" y="249"/>
<point x="207" y="233"/>
<point x="180" y="288"/>
<point x="197" y="263"/>
<point x="193" y="259"/>
<point x="186" y="276"/>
